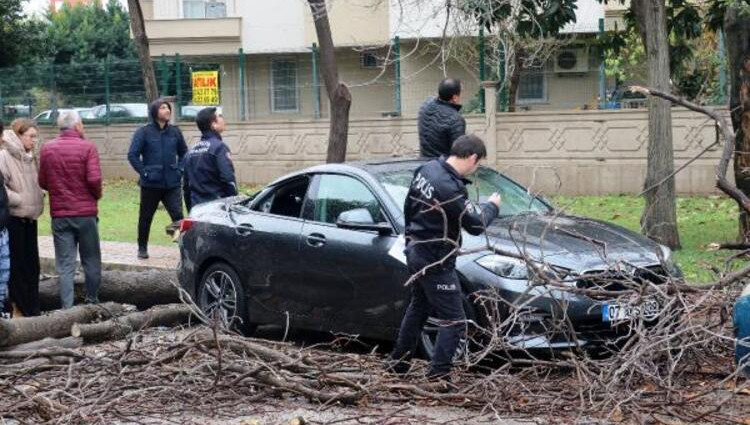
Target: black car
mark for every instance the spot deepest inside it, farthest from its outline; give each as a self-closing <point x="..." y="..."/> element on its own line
<point x="322" y="249"/>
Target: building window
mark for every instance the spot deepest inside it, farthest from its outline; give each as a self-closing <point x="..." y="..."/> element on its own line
<point x="284" y="85"/>
<point x="532" y="85"/>
<point x="202" y="9"/>
<point x="369" y="60"/>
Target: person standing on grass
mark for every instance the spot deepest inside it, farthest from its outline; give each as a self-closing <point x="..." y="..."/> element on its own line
<point x="70" y="173"/>
<point x="209" y="172"/>
<point x="156" y="153"/>
<point x="20" y="170"/>
<point x="5" y="308"/>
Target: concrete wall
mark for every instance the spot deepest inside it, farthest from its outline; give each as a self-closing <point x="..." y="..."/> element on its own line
<point x="587" y="152"/>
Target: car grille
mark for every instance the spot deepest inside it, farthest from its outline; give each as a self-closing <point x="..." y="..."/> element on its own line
<point x="617" y="280"/>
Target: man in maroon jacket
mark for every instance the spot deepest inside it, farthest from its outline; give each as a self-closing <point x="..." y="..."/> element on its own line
<point x="69" y="170"/>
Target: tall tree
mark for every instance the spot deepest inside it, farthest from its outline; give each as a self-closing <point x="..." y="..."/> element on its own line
<point x="339" y="97"/>
<point x="659" y="218"/>
<point x="736" y="23"/>
<point x="21" y="38"/>
<point x="141" y="46"/>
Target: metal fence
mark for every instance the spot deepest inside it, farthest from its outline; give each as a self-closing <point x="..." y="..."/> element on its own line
<point x="289" y="86"/>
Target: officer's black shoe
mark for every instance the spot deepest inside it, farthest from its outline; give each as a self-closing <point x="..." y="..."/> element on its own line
<point x="397" y="367"/>
<point x="142" y="253"/>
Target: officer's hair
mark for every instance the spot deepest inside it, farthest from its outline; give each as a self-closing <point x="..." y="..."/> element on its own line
<point x="468" y="145"/>
<point x="448" y="88"/>
<point x="205" y="118"/>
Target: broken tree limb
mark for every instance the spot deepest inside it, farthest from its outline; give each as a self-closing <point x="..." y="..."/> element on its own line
<point x="143" y="289"/>
<point x="67" y="342"/>
<point x="54" y="325"/>
<point x="120" y="327"/>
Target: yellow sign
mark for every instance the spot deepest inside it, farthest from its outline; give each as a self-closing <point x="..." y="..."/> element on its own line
<point x="206" y="87"/>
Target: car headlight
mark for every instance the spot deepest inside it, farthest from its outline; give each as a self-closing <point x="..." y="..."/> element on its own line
<point x="668" y="261"/>
<point x="513" y="268"/>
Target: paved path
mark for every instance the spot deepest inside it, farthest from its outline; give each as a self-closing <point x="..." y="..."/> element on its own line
<point x="117" y="256"/>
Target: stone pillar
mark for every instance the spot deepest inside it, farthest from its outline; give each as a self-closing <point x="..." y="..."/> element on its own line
<point x="490" y="121"/>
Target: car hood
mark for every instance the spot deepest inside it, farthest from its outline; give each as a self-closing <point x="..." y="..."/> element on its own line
<point x="575" y="243"/>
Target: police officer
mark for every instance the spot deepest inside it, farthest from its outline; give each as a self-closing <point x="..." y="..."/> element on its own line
<point x="438" y="202"/>
<point x="209" y="172"/>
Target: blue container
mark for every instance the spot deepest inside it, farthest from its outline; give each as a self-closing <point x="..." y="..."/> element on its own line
<point x="742" y="331"/>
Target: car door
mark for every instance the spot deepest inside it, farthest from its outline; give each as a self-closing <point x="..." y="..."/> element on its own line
<point x="354" y="281"/>
<point x="267" y="246"/>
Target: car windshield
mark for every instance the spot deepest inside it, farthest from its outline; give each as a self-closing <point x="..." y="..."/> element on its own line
<point x="515" y="199"/>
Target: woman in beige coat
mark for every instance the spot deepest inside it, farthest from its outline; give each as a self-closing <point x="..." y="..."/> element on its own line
<point x="19" y="166"/>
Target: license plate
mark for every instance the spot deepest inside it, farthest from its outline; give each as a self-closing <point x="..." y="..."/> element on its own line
<point x="617" y="312"/>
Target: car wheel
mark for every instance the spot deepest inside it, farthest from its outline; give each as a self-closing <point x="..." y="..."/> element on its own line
<point x="428" y="336"/>
<point x="222" y="296"/>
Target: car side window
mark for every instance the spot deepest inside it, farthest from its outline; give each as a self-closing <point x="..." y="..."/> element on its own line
<point x="336" y="194"/>
<point x="285" y="200"/>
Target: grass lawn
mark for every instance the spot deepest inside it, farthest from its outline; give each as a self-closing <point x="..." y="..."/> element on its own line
<point x="701" y="220"/>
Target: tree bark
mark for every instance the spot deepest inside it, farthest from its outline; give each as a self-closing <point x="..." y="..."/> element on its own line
<point x="659" y="218"/>
<point x="339" y="97"/>
<point x="737" y="35"/>
<point x="514" y="80"/>
<point x="119" y="327"/>
<point x="142" y="289"/>
<point x="144" y="53"/>
<point x="54" y="325"/>
<point x="42" y="344"/>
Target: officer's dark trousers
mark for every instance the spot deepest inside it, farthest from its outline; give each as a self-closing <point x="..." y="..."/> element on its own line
<point x="439" y="296"/>
<point x="150" y="198"/>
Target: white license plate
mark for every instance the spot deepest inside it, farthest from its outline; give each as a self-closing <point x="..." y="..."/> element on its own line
<point x="617" y="312"/>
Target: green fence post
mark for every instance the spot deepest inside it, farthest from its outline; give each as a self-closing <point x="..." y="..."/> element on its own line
<point x="164" y="75"/>
<point x="722" y="69"/>
<point x="243" y="110"/>
<point x="602" y="71"/>
<point x="52" y="97"/>
<point x="397" y="75"/>
<point x="106" y="88"/>
<point x="481" y="69"/>
<point x="503" y="98"/>
<point x="315" y="81"/>
<point x="178" y="86"/>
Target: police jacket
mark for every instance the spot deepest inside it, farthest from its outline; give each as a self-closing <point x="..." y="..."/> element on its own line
<point x="209" y="173"/>
<point x="156" y="153"/>
<point x="438" y="187"/>
<point x="440" y="124"/>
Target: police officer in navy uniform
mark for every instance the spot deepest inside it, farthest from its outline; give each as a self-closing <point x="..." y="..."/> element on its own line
<point x="438" y="187"/>
<point x="209" y="172"/>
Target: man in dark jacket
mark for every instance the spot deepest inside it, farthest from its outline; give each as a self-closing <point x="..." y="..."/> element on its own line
<point x="438" y="201"/>
<point x="440" y="122"/>
<point x="209" y="172"/>
<point x="69" y="171"/>
<point x="156" y="153"/>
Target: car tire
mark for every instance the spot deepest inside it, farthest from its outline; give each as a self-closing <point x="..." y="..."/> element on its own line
<point x="221" y="291"/>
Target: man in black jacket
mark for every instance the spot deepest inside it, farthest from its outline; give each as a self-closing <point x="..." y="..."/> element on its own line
<point x="156" y="153"/>
<point x="440" y="122"/>
<point x="436" y="209"/>
<point x="209" y="172"/>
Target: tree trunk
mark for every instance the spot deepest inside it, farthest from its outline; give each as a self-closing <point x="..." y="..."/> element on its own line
<point x="339" y="97"/>
<point x="141" y="46"/>
<point x="119" y="327"/>
<point x="142" y="289"/>
<point x="42" y="344"/>
<point x="659" y="218"/>
<point x="515" y="78"/>
<point x="737" y="34"/>
<point x="54" y="325"/>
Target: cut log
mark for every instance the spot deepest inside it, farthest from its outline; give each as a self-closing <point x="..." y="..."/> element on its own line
<point x="54" y="325"/>
<point x="142" y="289"/>
<point x="120" y="327"/>
<point x="67" y="342"/>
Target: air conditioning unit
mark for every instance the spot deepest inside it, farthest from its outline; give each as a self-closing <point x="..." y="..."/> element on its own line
<point x="572" y="60"/>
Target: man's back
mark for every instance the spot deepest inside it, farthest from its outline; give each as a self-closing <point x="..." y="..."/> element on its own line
<point x="209" y="172"/>
<point x="69" y="170"/>
<point x="439" y="124"/>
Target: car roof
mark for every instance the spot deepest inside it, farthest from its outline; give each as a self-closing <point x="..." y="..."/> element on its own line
<point x="372" y="166"/>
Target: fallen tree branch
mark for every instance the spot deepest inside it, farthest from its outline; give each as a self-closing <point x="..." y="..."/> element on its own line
<point x="119" y="327"/>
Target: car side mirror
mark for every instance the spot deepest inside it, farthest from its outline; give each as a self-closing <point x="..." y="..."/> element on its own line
<point x="361" y="219"/>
